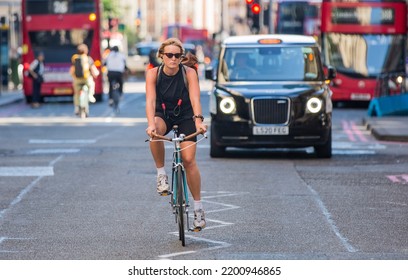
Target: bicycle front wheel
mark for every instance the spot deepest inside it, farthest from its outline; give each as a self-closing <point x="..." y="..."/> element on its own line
<point x="181" y="205"/>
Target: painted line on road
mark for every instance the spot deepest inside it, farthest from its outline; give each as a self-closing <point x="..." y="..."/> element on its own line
<point x="71" y="121"/>
<point x="26" y="171"/>
<point x="62" y="141"/>
<point x="327" y="215"/>
<point x="220" y="245"/>
<point x="353" y="132"/>
<point x="20" y="195"/>
<point x="3" y="238"/>
<point x="358" y="132"/>
<point x="28" y="188"/>
<point x="53" y="151"/>
<point x="400" y="179"/>
<point x="353" y="152"/>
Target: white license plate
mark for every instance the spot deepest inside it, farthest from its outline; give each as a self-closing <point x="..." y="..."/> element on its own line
<point x="360" y="96"/>
<point x="270" y="130"/>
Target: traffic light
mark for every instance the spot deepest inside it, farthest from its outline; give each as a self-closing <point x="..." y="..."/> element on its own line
<point x="253" y="11"/>
<point x="256" y="9"/>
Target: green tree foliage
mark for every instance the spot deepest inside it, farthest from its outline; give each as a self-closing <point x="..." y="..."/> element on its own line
<point x="110" y="8"/>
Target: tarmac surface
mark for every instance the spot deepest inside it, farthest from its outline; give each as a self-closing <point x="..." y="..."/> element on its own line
<point x="386" y="128"/>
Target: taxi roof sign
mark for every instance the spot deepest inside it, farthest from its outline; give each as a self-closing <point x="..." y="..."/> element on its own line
<point x="270" y="41"/>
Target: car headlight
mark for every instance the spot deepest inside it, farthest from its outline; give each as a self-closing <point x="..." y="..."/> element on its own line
<point x="314" y="105"/>
<point x="227" y="105"/>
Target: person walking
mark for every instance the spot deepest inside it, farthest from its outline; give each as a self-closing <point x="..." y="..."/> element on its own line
<point x="165" y="87"/>
<point x="83" y="71"/>
<point x="116" y="66"/>
<point x="36" y="72"/>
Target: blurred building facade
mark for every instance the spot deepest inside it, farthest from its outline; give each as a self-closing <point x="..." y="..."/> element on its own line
<point x="217" y="16"/>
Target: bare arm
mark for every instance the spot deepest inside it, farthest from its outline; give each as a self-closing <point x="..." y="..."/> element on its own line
<point x="194" y="93"/>
<point x="151" y="77"/>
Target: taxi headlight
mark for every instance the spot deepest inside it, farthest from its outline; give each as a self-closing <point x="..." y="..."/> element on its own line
<point x="314" y="105"/>
<point x="227" y="105"/>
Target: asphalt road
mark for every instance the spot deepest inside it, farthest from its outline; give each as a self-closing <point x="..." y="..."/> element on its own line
<point x="75" y="189"/>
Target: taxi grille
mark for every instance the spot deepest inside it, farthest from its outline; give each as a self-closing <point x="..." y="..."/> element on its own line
<point x="270" y="110"/>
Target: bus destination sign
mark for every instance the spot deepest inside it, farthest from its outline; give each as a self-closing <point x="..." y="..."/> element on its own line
<point x="363" y="15"/>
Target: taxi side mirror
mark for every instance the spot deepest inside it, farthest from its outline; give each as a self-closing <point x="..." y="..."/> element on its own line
<point x="332" y="73"/>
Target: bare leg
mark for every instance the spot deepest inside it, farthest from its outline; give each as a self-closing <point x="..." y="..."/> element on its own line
<point x="192" y="171"/>
<point x="157" y="148"/>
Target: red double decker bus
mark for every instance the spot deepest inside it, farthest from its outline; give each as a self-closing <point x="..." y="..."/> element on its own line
<point x="297" y="17"/>
<point x="56" y="28"/>
<point x="363" y="40"/>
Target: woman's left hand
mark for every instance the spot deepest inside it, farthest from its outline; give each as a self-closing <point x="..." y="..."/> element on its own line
<point x="202" y="127"/>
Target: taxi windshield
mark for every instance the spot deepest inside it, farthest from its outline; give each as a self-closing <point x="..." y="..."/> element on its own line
<point x="294" y="63"/>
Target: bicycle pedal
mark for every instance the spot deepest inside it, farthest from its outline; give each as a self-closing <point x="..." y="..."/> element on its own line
<point x="165" y="193"/>
<point x="196" y="229"/>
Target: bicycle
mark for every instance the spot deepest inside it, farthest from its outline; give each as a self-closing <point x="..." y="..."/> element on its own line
<point x="116" y="94"/>
<point x="179" y="190"/>
<point x="84" y="101"/>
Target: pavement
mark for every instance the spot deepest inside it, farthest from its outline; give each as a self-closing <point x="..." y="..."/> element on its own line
<point x="10" y="96"/>
<point x="386" y="128"/>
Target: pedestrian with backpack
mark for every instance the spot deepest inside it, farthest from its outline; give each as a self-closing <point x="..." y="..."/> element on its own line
<point x="83" y="72"/>
<point x="36" y="72"/>
<point x="173" y="98"/>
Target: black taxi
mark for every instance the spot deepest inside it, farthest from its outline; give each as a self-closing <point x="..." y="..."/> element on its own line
<point x="270" y="91"/>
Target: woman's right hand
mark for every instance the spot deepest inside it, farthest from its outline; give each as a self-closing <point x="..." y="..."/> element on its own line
<point x="149" y="130"/>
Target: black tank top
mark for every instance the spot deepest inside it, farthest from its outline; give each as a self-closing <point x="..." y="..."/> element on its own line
<point x="169" y="90"/>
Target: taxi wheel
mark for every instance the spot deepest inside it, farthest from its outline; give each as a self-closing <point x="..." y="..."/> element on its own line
<point x="215" y="150"/>
<point x="325" y="151"/>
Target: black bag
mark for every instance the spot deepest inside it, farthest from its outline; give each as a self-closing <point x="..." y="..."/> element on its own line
<point x="39" y="79"/>
<point x="81" y="66"/>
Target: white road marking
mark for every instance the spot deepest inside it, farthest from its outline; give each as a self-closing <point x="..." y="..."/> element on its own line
<point x="330" y="221"/>
<point x="12" y="171"/>
<point x="27" y="189"/>
<point x="53" y="151"/>
<point x="62" y="141"/>
<point x="353" y="152"/>
<point x="219" y="244"/>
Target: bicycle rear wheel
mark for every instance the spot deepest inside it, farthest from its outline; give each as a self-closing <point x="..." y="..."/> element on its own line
<point x="116" y="98"/>
<point x="181" y="205"/>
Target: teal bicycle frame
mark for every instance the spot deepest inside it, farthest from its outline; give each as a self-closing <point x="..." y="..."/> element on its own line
<point x="179" y="189"/>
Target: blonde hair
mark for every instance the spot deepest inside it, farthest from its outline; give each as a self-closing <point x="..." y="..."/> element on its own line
<point x="188" y="59"/>
<point x="82" y="49"/>
<point x="170" y="42"/>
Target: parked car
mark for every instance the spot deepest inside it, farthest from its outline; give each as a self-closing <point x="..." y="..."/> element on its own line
<point x="139" y="59"/>
<point x="270" y="91"/>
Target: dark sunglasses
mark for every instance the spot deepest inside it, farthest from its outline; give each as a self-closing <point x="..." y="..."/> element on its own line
<point x="170" y="55"/>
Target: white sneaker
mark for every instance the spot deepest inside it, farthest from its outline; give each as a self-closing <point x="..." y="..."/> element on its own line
<point x="163" y="187"/>
<point x="91" y="98"/>
<point x="199" y="219"/>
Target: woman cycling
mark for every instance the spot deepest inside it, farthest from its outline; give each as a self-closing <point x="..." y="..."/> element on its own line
<point x="170" y="100"/>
